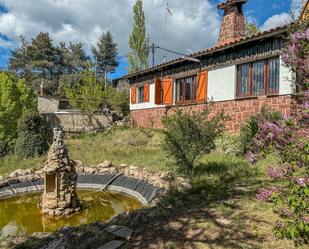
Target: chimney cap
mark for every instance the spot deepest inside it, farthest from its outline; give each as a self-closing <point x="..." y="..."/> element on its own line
<point x="229" y="3"/>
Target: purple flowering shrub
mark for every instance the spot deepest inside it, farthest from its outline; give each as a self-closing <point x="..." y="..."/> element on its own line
<point x="296" y="52"/>
<point x="290" y="140"/>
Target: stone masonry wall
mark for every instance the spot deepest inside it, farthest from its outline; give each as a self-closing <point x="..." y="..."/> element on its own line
<point x="76" y="122"/>
<point x="238" y="110"/>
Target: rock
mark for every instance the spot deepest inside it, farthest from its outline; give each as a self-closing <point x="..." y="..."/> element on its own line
<point x="120" y="231"/>
<point x="105" y="164"/>
<point x="41" y="235"/>
<point x="104" y="170"/>
<point x="114" y="244"/>
<point x="89" y="170"/>
<point x="79" y="170"/>
<point x="123" y="165"/>
<point x="29" y="171"/>
<point x="68" y="198"/>
<point x="17" y="173"/>
<point x="1" y="178"/>
<point x="164" y="175"/>
<point x="113" y="170"/>
<point x="223" y="221"/>
<point x="78" y="163"/>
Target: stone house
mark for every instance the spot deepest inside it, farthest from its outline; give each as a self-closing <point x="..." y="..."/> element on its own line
<point x="239" y="74"/>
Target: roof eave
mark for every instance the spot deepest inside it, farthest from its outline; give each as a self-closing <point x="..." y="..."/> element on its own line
<point x="266" y="34"/>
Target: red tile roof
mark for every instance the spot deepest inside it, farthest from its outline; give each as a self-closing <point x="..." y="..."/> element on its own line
<point x="260" y="35"/>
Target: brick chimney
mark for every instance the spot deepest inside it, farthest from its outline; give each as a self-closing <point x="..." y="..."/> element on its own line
<point x="233" y="23"/>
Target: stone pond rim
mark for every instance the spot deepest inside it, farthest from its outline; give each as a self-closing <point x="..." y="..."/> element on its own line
<point x="140" y="189"/>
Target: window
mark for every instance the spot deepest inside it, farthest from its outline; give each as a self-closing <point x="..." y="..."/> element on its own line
<point x="186" y="89"/>
<point x="258" y="78"/>
<point x="140" y="94"/>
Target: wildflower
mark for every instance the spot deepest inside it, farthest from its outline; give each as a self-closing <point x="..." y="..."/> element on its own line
<point x="302" y="181"/>
<point x="250" y="157"/>
<point x="265" y="194"/>
<point x="277" y="172"/>
<point x="286" y="212"/>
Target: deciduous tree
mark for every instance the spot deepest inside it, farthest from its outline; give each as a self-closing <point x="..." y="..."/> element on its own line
<point x="139" y="41"/>
<point x="87" y="96"/>
<point x="15" y="99"/>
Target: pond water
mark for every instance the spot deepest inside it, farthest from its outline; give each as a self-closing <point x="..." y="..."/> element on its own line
<point x="21" y="215"/>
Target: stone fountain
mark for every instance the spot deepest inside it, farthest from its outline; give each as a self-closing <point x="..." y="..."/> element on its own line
<point x="59" y="197"/>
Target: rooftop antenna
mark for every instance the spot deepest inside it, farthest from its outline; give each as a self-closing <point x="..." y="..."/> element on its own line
<point x="167" y="13"/>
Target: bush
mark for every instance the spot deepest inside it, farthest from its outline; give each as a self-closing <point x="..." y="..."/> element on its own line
<point x="118" y="101"/>
<point x="31" y="141"/>
<point x="15" y="99"/>
<point x="250" y="128"/>
<point x="291" y="142"/>
<point x="189" y="135"/>
<point x="228" y="144"/>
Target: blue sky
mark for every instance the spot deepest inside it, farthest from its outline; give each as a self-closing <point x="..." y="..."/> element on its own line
<point x="197" y="19"/>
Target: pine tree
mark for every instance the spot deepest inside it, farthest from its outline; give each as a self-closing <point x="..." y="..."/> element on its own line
<point x="19" y="61"/>
<point x="106" y="54"/>
<point x="138" y="42"/>
<point x="73" y="58"/>
<point x="44" y="56"/>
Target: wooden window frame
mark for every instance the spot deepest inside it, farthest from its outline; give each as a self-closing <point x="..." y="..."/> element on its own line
<point x="183" y="101"/>
<point x="250" y="75"/>
<point x="138" y="95"/>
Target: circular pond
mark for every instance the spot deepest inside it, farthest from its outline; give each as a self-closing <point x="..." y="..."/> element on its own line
<point x="21" y="215"/>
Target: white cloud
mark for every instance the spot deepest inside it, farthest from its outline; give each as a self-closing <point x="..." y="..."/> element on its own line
<point x="296" y="6"/>
<point x="194" y="25"/>
<point x="276" y="21"/>
<point x="284" y="18"/>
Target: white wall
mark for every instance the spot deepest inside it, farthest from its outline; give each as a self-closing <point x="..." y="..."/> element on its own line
<point x="221" y="83"/>
<point x="146" y="105"/>
<point x="285" y="85"/>
<point x="221" y="86"/>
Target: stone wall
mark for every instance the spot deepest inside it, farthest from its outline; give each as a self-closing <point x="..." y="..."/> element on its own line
<point x="156" y="178"/>
<point x="76" y="122"/>
<point x="238" y="110"/>
<point x="47" y="104"/>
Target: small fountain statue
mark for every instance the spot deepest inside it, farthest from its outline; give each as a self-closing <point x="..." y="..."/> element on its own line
<point x="60" y="197"/>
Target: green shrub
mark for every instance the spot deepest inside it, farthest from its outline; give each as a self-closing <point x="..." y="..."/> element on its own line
<point x="228" y="144"/>
<point x="190" y="135"/>
<point x="31" y="141"/>
<point x="118" y="101"/>
<point x="15" y="99"/>
<point x="250" y="128"/>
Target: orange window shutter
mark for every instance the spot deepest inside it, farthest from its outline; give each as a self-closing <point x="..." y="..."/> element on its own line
<point x="158" y="99"/>
<point x="168" y="91"/>
<point x="133" y="95"/>
<point x="202" y="85"/>
<point x="146" y="92"/>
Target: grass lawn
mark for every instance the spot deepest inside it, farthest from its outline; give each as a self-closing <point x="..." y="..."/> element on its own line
<point x="130" y="146"/>
<point x="220" y="211"/>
